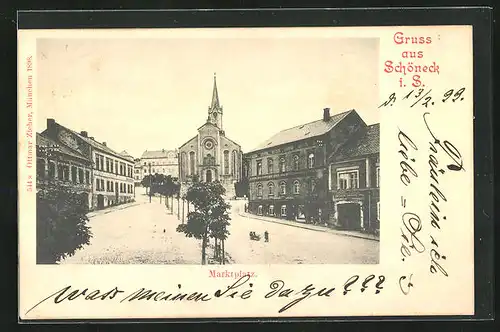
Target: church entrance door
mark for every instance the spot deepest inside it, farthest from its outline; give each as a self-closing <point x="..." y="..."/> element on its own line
<point x="208" y="176"/>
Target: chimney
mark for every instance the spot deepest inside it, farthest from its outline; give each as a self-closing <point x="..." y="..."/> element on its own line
<point x="51" y="123"/>
<point x="326" y="114"/>
<point x="104" y="143"/>
<point x="92" y="138"/>
<point x="84" y="133"/>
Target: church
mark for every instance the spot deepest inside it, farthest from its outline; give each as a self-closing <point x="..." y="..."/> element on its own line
<point x="211" y="155"/>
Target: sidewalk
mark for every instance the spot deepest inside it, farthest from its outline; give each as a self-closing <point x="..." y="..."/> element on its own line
<point x="311" y="227"/>
<point x="112" y="209"/>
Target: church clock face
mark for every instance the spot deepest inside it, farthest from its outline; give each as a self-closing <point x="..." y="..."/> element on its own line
<point x="209" y="145"/>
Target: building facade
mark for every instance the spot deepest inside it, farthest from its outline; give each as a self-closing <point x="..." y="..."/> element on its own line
<point x="163" y="161"/>
<point x="112" y="173"/>
<point x="211" y="155"/>
<point x="289" y="174"/>
<point x="137" y="172"/>
<point x="354" y="173"/>
<point x="60" y="166"/>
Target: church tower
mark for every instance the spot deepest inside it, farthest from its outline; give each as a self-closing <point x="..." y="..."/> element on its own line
<point x="215" y="110"/>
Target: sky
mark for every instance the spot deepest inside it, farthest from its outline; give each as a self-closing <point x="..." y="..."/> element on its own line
<point x="152" y="94"/>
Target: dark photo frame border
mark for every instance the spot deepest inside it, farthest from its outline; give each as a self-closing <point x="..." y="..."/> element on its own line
<point x="479" y="17"/>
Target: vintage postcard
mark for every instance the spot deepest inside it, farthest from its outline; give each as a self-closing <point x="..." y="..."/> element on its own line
<point x="246" y="172"/>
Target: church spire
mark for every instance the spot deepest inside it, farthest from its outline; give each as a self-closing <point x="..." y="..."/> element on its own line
<point x="215" y="95"/>
<point x="215" y="110"/>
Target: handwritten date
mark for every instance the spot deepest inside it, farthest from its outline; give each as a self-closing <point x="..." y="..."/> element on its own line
<point x="423" y="97"/>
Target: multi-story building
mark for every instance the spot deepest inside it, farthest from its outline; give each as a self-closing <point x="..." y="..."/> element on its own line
<point x="59" y="166"/>
<point x="355" y="181"/>
<point x="211" y="155"/>
<point x="137" y="172"/>
<point x="112" y="173"/>
<point x="163" y="161"/>
<point x="289" y="174"/>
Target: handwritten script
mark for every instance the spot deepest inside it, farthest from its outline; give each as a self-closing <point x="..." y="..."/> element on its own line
<point x="418" y="237"/>
<point x="242" y="289"/>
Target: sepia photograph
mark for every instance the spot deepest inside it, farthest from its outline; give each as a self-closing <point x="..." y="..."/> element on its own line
<point x="234" y="173"/>
<point x="207" y="151"/>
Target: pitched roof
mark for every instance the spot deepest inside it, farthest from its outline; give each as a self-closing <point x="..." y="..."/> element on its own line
<point x="192" y="138"/>
<point x="95" y="144"/>
<point x="157" y="154"/>
<point x="45" y="141"/>
<point x="361" y="145"/>
<point x="307" y="130"/>
<point x="127" y="155"/>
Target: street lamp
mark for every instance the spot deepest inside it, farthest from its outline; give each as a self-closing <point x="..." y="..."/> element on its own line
<point x="150" y="181"/>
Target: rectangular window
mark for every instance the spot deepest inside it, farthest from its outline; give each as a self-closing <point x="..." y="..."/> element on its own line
<point x="102" y="184"/>
<point x="80" y="176"/>
<point x="60" y="172"/>
<point x="40" y="168"/>
<point x="116" y="166"/>
<point x="107" y="164"/>
<point x="347" y="180"/>
<point x="378" y="177"/>
<point x="87" y="177"/>
<point x="52" y="170"/>
<point x="259" y="167"/>
<point x="97" y="183"/>
<point x="271" y="210"/>
<point x="283" y="210"/>
<point x="73" y="174"/>
<point x="97" y="161"/>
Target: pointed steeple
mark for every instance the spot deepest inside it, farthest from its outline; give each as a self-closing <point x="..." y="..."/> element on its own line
<point x="215" y="110"/>
<point x="215" y="95"/>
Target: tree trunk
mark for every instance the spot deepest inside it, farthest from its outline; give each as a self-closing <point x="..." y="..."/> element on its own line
<point x="183" y="211"/>
<point x="223" y="253"/>
<point x="216" y="253"/>
<point x="203" y="246"/>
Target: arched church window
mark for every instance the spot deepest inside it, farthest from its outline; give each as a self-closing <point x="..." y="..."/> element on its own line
<point x="184" y="165"/>
<point x="235" y="162"/>
<point x="191" y="162"/>
<point x="226" y="162"/>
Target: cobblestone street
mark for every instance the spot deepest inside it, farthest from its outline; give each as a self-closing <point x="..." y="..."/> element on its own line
<point x="144" y="233"/>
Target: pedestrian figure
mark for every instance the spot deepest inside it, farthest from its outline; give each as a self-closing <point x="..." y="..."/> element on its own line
<point x="266" y="236"/>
